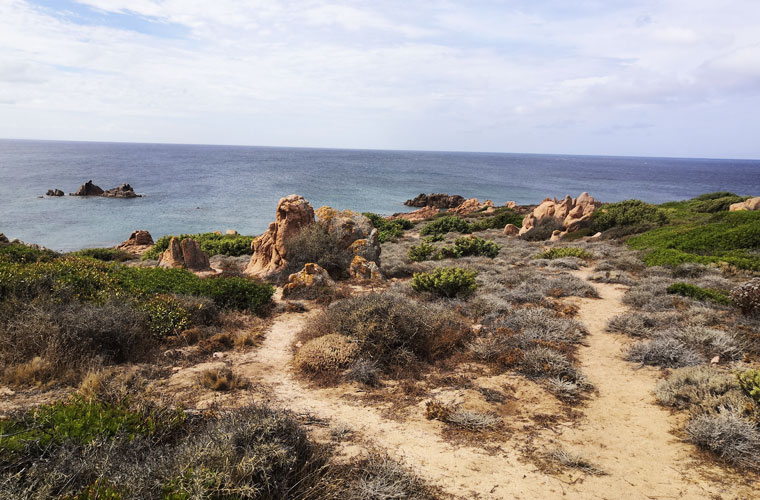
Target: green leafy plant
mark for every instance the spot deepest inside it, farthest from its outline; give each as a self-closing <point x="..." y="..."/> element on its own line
<point x="500" y="218"/>
<point x="560" y="252"/>
<point x="211" y="243"/>
<point x="104" y="254"/>
<point x="749" y="381"/>
<point x="698" y="293"/>
<point x="423" y="251"/>
<point x="447" y="224"/>
<point x="627" y="213"/>
<point x="388" y="229"/>
<point x="467" y="246"/>
<point x="167" y="315"/>
<point x="19" y="253"/>
<point x="446" y="282"/>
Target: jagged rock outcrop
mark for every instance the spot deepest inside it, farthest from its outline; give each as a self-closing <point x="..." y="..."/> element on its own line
<point x="418" y="215"/>
<point x="123" y="191"/>
<point x="231" y="232"/>
<point x="750" y="204"/>
<point x="54" y="192"/>
<point x="310" y="280"/>
<point x="138" y="242"/>
<point x="363" y="269"/>
<point x="3" y="240"/>
<point x="472" y="205"/>
<point x="349" y="228"/>
<point x="88" y="189"/>
<point x="570" y="213"/>
<point x="437" y="200"/>
<point x="270" y="251"/>
<point x="186" y="254"/>
<point x="511" y="230"/>
<point x="511" y="204"/>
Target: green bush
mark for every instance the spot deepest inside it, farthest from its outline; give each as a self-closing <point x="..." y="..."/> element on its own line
<point x="423" y="251"/>
<point x="501" y="217"/>
<point x="627" y="213"/>
<point x="167" y="315"/>
<point x="731" y="237"/>
<point x="447" y="224"/>
<point x="388" y="229"/>
<point x="560" y="252"/>
<point x="238" y="293"/>
<point x="82" y="279"/>
<point x="698" y="293"/>
<point x="314" y="243"/>
<point x="104" y="254"/>
<point x="446" y="282"/>
<point x="749" y="381"/>
<point x="211" y="243"/>
<point x="467" y="246"/>
<point x="23" y="254"/>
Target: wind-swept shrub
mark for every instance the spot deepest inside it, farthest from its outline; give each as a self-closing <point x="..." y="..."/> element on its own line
<point x="421" y="252"/>
<point x="627" y="213"/>
<point x="446" y="282"/>
<point x="561" y="252"/>
<point x="727" y="435"/>
<point x="694" y="386"/>
<point x="447" y="224"/>
<point x="664" y="351"/>
<point x="467" y="246"/>
<point x="749" y="380"/>
<point x="25" y="254"/>
<point x="211" y="243"/>
<point x="104" y="254"/>
<point x="388" y="229"/>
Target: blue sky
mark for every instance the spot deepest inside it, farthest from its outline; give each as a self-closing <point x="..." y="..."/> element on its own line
<point x="637" y="77"/>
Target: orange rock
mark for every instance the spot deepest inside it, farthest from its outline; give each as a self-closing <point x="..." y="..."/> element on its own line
<point x="363" y="269"/>
<point x="423" y="213"/>
<point x="750" y="204"/>
<point x="572" y="213"/>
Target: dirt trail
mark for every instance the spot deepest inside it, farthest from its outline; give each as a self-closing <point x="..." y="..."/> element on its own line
<point x="623" y="431"/>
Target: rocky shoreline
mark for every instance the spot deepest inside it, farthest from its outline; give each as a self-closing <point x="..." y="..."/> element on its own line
<point x="91" y="189"/>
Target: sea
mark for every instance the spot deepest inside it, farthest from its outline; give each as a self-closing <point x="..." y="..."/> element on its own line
<point x="203" y="188"/>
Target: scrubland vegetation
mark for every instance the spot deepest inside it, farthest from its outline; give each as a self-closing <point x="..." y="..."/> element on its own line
<point x="465" y="319"/>
<point x="211" y="243"/>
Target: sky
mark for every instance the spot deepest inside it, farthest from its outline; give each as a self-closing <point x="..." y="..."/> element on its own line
<point x="609" y="77"/>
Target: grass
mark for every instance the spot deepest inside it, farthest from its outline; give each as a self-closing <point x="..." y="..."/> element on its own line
<point x="571" y="460"/>
<point x="211" y="244"/>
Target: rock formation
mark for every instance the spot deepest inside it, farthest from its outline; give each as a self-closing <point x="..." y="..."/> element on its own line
<point x="138" y="242"/>
<point x="352" y="230"/>
<point x="437" y="200"/>
<point x="269" y="250"/>
<point x="3" y="240"/>
<point x="123" y="191"/>
<point x="310" y="280"/>
<point x="418" y="215"/>
<point x="186" y="254"/>
<point x="511" y="230"/>
<point x="231" y="232"/>
<point x="362" y="269"/>
<point x="750" y="204"/>
<point x="472" y="205"/>
<point x="88" y="189"/>
<point x="571" y="213"/>
<point x="54" y="192"/>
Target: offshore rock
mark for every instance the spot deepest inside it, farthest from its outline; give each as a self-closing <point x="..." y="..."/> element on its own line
<point x="88" y="189"/>
<point x="437" y="200"/>
<point x="123" y="191"/>
<point x="54" y="192"/>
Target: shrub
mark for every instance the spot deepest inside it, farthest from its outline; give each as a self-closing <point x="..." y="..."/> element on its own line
<point x="467" y="246"/>
<point x="391" y="329"/>
<point x="104" y="254"/>
<point x="749" y="381"/>
<point x="167" y="315"/>
<point x="81" y="279"/>
<point x="501" y="217"/>
<point x="237" y="293"/>
<point x="211" y="243"/>
<point x="693" y="386"/>
<point x="627" y="213"/>
<point x="574" y="461"/>
<point x="421" y="252"/>
<point x="697" y="293"/>
<point x="222" y="379"/>
<point x="543" y="230"/>
<point x="747" y="297"/>
<point x="380" y="478"/>
<point x="561" y="252"/>
<point x="447" y="224"/>
<point x="665" y="352"/>
<point x="329" y="353"/>
<point x="364" y="372"/>
<point x="314" y="243"/>
<point x="727" y="435"/>
<point x="446" y="282"/>
<point x="388" y="229"/>
<point x="24" y="254"/>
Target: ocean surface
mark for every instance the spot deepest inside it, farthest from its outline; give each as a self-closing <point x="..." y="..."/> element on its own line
<point x="191" y="188"/>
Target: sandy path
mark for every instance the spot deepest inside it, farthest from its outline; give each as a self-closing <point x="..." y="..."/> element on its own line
<point x="623" y="432"/>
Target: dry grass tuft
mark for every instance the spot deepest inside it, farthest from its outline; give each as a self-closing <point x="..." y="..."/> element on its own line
<point x="222" y="379"/>
<point x="571" y="460"/>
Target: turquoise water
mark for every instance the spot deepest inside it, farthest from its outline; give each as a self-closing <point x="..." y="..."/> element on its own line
<point x="208" y="188"/>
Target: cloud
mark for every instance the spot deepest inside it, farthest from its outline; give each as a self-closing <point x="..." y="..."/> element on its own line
<point x="376" y="74"/>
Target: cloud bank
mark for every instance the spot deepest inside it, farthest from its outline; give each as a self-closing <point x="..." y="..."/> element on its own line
<point x="676" y="78"/>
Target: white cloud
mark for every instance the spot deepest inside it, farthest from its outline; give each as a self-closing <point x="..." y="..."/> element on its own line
<point x="372" y="74"/>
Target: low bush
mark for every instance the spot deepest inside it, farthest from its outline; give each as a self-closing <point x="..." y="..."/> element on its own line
<point x="326" y="354"/>
<point x="315" y="244"/>
<point x="423" y="251"/>
<point x="471" y="246"/>
<point x="749" y="381"/>
<point x="364" y="372"/>
<point x="627" y="213"/>
<point x="222" y="379"/>
<point x="388" y="229"/>
<point x="727" y="435"/>
<point x="379" y="478"/>
<point x="698" y="293"/>
<point x="665" y="352"/>
<point x="694" y="386"/>
<point x="574" y="461"/>
<point x="446" y="282"/>
<point x="104" y="254"/>
<point x="447" y="224"/>
<point x="562" y="252"/>
<point x="25" y="254"/>
<point x="498" y="220"/>
<point x="390" y="329"/>
<point x="747" y="297"/>
<point x="166" y="315"/>
<point x="211" y="244"/>
<point x="543" y="230"/>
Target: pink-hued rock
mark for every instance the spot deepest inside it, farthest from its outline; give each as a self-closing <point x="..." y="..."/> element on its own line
<point x="312" y="276"/>
<point x="750" y="204"/>
<point x="184" y="254"/>
<point x="138" y="242"/>
<point x="467" y="207"/>
<point x="362" y="269"/>
<point x="172" y="256"/>
<point x="511" y="230"/>
<point x="418" y="215"/>
<point x="571" y="212"/>
<point x="270" y="251"/>
<point x="511" y="204"/>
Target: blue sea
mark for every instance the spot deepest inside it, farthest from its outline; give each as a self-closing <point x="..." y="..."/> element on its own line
<point x="194" y="188"/>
